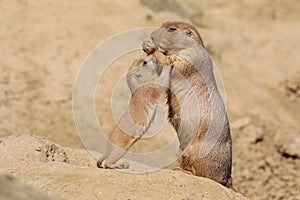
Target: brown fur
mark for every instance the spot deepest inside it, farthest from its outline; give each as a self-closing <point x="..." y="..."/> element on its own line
<point x="147" y="82"/>
<point x="191" y="62"/>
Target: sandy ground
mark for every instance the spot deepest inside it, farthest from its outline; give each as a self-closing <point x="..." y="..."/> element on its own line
<point x="254" y="43"/>
<point x="71" y="174"/>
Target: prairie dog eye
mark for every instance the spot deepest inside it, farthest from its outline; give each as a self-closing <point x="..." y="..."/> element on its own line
<point x="145" y="63"/>
<point x="171" y="29"/>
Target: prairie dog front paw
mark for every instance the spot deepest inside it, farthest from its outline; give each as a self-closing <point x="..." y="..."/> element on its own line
<point x="148" y="47"/>
<point x="168" y="61"/>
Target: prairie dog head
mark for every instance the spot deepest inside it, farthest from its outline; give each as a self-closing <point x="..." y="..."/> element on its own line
<point x="172" y="37"/>
<point x="145" y="71"/>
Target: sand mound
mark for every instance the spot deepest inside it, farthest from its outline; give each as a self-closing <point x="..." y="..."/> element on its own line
<point x="71" y="174"/>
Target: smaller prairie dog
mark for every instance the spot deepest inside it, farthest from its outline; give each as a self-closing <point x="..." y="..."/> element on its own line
<point x="147" y="81"/>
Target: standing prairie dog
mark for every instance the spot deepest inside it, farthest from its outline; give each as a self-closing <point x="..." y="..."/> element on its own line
<point x="147" y="81"/>
<point x="204" y="135"/>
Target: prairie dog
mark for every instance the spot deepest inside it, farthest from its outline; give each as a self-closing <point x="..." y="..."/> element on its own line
<point x="204" y="135"/>
<point x="147" y="81"/>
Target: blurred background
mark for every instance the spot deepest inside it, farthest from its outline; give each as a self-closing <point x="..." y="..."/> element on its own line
<point x="254" y="43"/>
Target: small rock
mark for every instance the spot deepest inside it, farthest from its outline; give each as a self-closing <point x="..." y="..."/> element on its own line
<point x="288" y="144"/>
<point x="293" y="146"/>
<point x="38" y="149"/>
<point x="240" y="123"/>
<point x="253" y="134"/>
<point x="292" y="87"/>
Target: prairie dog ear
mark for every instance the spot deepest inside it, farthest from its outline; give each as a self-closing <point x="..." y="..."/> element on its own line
<point x="189" y="33"/>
